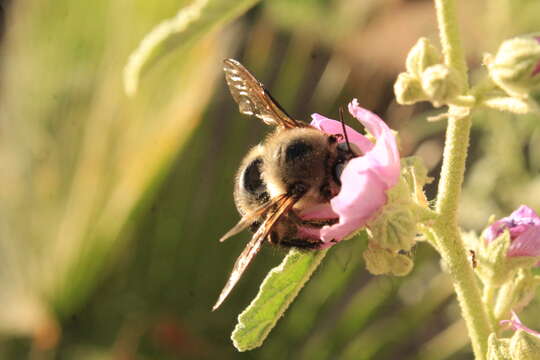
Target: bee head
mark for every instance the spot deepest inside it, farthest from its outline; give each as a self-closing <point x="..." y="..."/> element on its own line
<point x="299" y="162"/>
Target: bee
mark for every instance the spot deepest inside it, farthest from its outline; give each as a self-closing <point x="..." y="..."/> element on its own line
<point x="297" y="167"/>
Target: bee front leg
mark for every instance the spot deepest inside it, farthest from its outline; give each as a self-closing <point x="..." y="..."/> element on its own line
<point x="314" y="223"/>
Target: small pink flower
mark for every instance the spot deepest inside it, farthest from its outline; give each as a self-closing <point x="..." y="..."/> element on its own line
<point x="365" y="179"/>
<point x="515" y="324"/>
<point x="524" y="228"/>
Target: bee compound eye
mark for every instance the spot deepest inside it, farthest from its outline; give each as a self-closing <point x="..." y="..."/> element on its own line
<point x="338" y="170"/>
<point x="349" y="149"/>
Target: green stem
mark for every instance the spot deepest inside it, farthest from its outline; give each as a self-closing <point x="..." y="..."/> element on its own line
<point x="501" y="309"/>
<point x="449" y="241"/>
<point x="449" y="34"/>
<point x="489" y="297"/>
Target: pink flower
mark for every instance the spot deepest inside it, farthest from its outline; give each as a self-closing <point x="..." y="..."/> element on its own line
<point x="515" y="324"/>
<point x="365" y="179"/>
<point x="524" y="228"/>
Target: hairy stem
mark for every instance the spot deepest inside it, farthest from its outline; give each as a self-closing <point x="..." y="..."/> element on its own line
<point x="449" y="34"/>
<point x="448" y="238"/>
<point x="489" y="297"/>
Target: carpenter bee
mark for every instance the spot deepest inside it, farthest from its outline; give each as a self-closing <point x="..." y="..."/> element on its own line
<point x="294" y="171"/>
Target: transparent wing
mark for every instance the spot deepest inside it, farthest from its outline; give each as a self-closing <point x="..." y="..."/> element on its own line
<point x="253" y="98"/>
<point x="247" y="220"/>
<point x="276" y="209"/>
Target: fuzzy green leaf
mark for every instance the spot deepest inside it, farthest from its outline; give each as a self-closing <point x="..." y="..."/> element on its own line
<point x="188" y="25"/>
<point x="276" y="293"/>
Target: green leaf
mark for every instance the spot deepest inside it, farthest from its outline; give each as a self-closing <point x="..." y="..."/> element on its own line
<point x="276" y="293"/>
<point x="187" y="26"/>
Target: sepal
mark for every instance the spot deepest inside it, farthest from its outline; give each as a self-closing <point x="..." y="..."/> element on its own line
<point x="516" y="293"/>
<point x="381" y="261"/>
<point x="524" y="346"/>
<point x="441" y="84"/>
<point x="494" y="266"/>
<point x="395" y="228"/>
<point x="422" y="55"/>
<point x="498" y="349"/>
<point x="408" y="89"/>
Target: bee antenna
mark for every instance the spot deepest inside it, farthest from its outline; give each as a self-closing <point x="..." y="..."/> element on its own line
<point x="344" y="128"/>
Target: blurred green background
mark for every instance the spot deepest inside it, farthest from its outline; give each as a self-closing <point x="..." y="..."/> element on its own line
<point x="111" y="206"/>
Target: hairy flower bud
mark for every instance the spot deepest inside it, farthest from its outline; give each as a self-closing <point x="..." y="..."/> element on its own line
<point x="523" y="226"/>
<point x="408" y="89"/>
<point x="422" y="55"/>
<point x="516" y="66"/>
<point x="393" y="233"/>
<point x="507" y="245"/>
<point x="498" y="349"/>
<point x="395" y="227"/>
<point x="381" y="261"/>
<point x="525" y="343"/>
<point x="516" y="293"/>
<point x="525" y="346"/>
<point x="441" y="84"/>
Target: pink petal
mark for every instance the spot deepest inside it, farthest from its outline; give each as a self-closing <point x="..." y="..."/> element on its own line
<point x="330" y="126"/>
<point x="494" y="230"/>
<point x="362" y="195"/>
<point x="366" y="178"/>
<point x="516" y="324"/>
<point x="525" y="215"/>
<point x="517" y="223"/>
<point x="526" y="244"/>
<point x="385" y="155"/>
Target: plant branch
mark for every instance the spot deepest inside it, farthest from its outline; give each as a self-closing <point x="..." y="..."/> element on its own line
<point x="448" y="238"/>
<point x="449" y="35"/>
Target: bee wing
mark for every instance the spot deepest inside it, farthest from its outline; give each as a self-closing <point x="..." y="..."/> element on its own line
<point x="247" y="220"/>
<point x="253" y="98"/>
<point x="284" y="204"/>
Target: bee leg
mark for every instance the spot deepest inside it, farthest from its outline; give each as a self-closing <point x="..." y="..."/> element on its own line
<point x="300" y="244"/>
<point x="315" y="223"/>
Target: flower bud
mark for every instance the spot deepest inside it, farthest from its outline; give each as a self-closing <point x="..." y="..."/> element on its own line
<point x="525" y="346"/>
<point x="422" y="55"/>
<point x="495" y="267"/>
<point x="507" y="245"/>
<point x="498" y="349"/>
<point x="395" y="227"/>
<point x="441" y="84"/>
<point x="516" y="66"/>
<point x="516" y="293"/>
<point x="408" y="89"/>
<point x="523" y="227"/>
<point x="525" y="343"/>
<point x="381" y="261"/>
